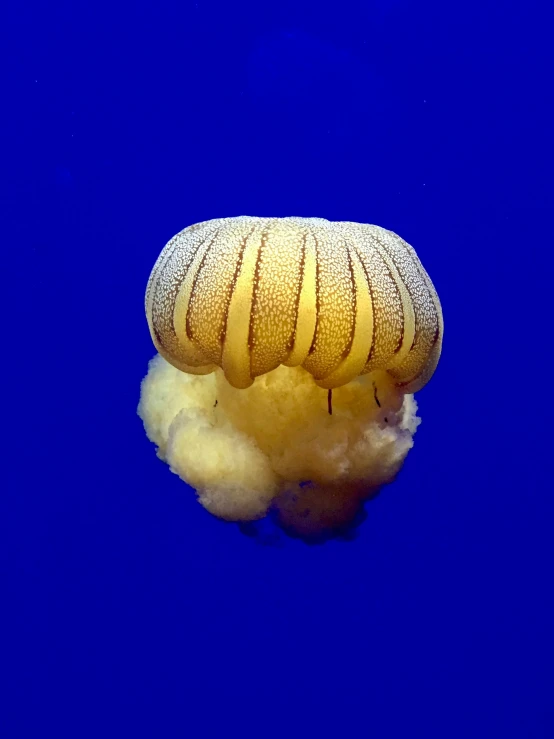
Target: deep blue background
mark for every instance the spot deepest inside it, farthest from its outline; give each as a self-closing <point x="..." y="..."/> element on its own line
<point x="128" y="610"/>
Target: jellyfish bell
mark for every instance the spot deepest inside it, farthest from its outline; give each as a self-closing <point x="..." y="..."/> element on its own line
<point x="289" y="352"/>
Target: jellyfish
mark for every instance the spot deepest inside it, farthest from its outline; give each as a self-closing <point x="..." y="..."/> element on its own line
<point x="289" y="350"/>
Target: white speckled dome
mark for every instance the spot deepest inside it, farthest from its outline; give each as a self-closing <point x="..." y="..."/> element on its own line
<point x="339" y="299"/>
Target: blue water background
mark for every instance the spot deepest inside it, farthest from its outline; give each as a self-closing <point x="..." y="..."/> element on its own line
<point x="128" y="610"/>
